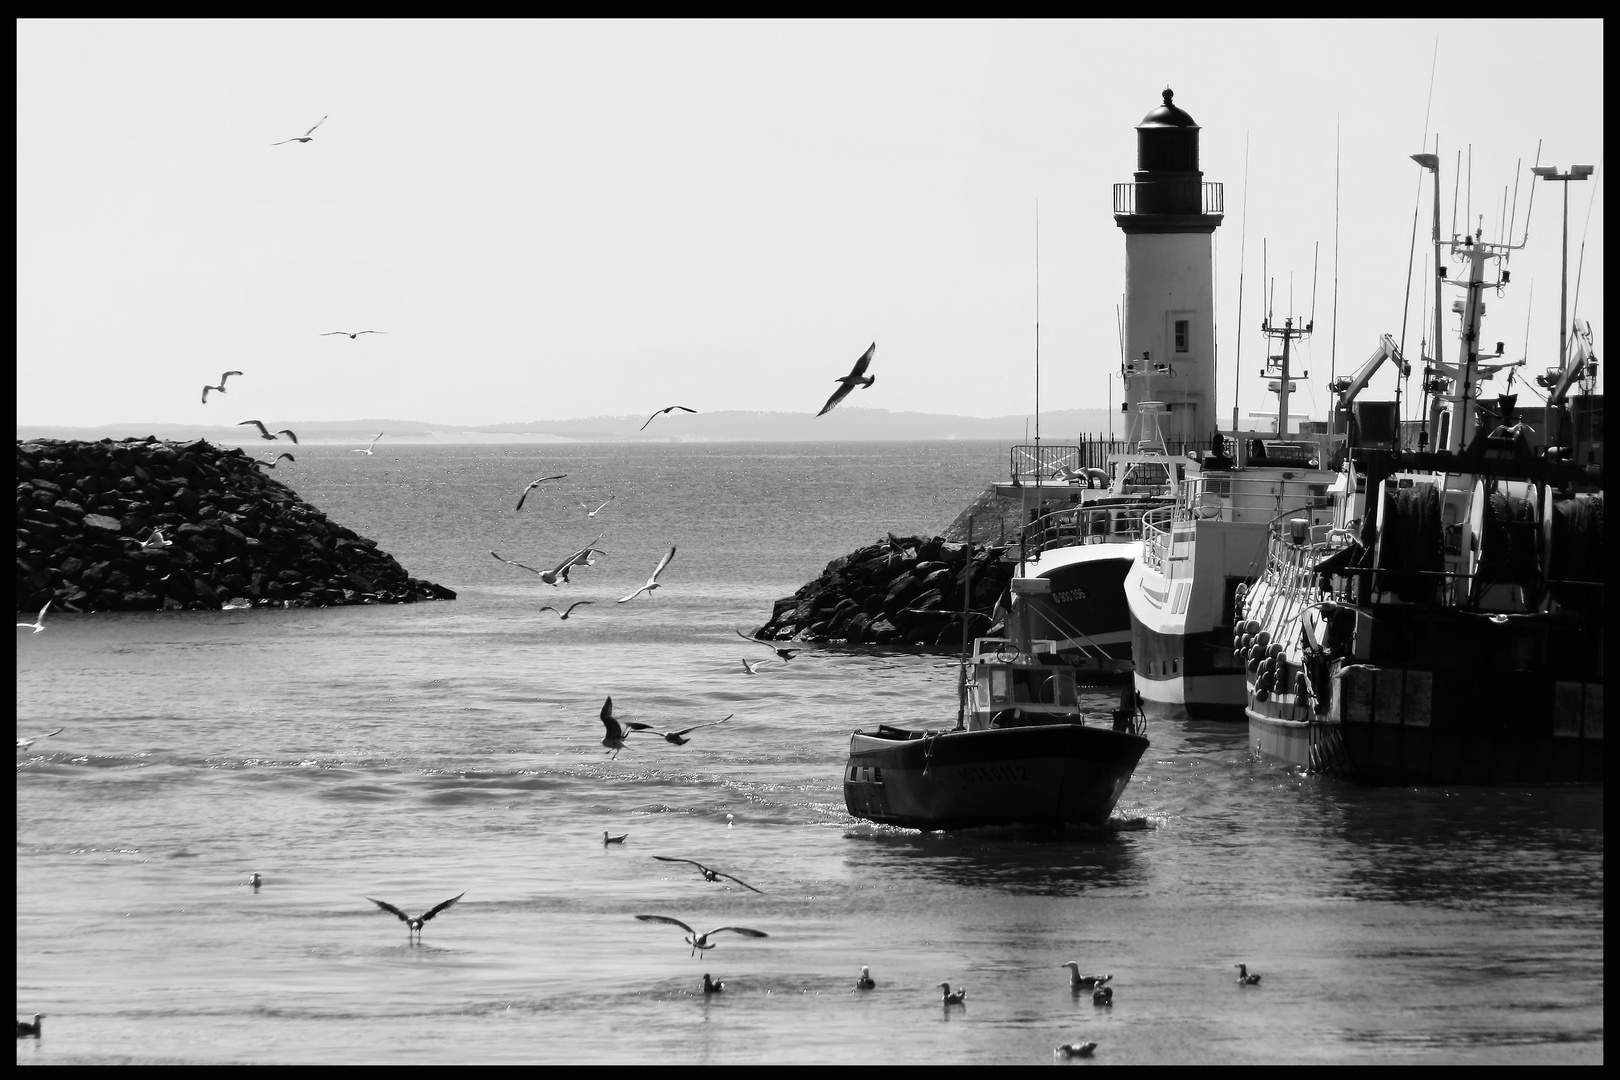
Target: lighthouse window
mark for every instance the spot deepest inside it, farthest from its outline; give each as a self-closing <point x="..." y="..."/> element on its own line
<point x="1183" y="333"/>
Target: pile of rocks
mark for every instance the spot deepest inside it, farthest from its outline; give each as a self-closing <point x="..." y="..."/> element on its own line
<point x="903" y="590"/>
<point x="143" y="525"/>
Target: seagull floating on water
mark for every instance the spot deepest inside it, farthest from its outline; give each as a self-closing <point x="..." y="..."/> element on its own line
<point x="265" y="433"/>
<point x="413" y="927"/>
<point x="220" y="387"/>
<point x="25" y="1030"/>
<point x="865" y="981"/>
<point x="1103" y="996"/>
<point x="652" y="582"/>
<point x="617" y="730"/>
<point x="784" y="654"/>
<point x="582" y="557"/>
<point x="277" y="461"/>
<point x="367" y="450"/>
<point x="571" y="607"/>
<point x="592" y="513"/>
<point x="305" y="137"/>
<point x="708" y="874"/>
<point x="534" y="484"/>
<point x="608" y="839"/>
<point x="1077" y="980"/>
<point x="1079" y="1049"/>
<point x="39" y="620"/>
<point x="661" y="412"/>
<point x="711" y="986"/>
<point x="1244" y="978"/>
<point x="952" y="997"/>
<point x="852" y="380"/>
<point x="256" y="880"/>
<point x="345" y="333"/>
<point x="700" y="942"/>
<point x="24" y="744"/>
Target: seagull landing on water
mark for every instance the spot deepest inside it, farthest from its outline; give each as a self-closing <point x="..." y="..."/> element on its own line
<point x="24" y="744"/>
<point x="865" y="982"/>
<point x="662" y="411"/>
<point x="852" y="380"/>
<point x="952" y="997"/>
<point x="367" y="451"/>
<point x="220" y="387"/>
<point x="345" y="333"/>
<point x="617" y="730"/>
<point x="277" y="461"/>
<point x="571" y="607"/>
<point x="610" y="839"/>
<point x="413" y="927"/>
<point x="708" y="874"/>
<point x="700" y="942"/>
<point x="1244" y="978"/>
<point x="534" y="484"/>
<point x="1079" y="1049"/>
<point x="305" y="137"/>
<point x="266" y="433"/>
<point x="652" y="582"/>
<point x="39" y="620"/>
<point x="784" y="654"/>
<point x="1078" y="981"/>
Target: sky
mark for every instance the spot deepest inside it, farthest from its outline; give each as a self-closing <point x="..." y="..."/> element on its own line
<point x="555" y="220"/>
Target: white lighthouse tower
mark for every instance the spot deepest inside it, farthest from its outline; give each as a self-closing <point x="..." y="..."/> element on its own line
<point x="1169" y="216"/>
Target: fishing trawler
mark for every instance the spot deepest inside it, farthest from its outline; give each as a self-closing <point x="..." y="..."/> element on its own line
<point x="1022" y="751"/>
<point x="1447" y="625"/>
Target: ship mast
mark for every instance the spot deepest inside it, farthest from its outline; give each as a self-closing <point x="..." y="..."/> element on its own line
<point x="1277" y="366"/>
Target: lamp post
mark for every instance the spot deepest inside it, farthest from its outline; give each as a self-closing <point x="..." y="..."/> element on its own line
<point x="1576" y="172"/>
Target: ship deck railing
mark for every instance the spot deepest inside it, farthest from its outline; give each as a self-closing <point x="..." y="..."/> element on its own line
<point x="1034" y="462"/>
<point x="1114" y="524"/>
<point x="1248" y="498"/>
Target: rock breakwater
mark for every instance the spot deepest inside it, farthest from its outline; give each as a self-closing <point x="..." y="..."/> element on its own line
<point x="144" y="525"/>
<point x="902" y="590"/>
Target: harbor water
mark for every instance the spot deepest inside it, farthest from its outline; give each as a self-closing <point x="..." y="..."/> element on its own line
<point x="416" y="752"/>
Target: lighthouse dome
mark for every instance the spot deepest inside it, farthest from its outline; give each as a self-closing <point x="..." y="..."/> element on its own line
<point x="1167" y="140"/>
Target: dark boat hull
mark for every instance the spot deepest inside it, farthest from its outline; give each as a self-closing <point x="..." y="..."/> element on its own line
<point x="1056" y="774"/>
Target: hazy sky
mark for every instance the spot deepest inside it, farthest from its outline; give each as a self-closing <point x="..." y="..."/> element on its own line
<point x="556" y="220"/>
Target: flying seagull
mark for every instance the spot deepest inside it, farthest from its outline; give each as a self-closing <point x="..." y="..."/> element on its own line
<point x="785" y="654"/>
<point x="592" y="513"/>
<point x="220" y="387"/>
<point x="277" y="461"/>
<point x="752" y="666"/>
<point x="39" y="620"/>
<point x="950" y="997"/>
<point x="1078" y="981"/>
<point x="676" y="737"/>
<point x="571" y="607"/>
<point x="582" y="557"/>
<point x="345" y="333"/>
<point x="852" y="380"/>
<point x="661" y="412"/>
<point x="1244" y="978"/>
<point x="617" y="730"/>
<point x="700" y="942"/>
<point x="413" y="927"/>
<point x="266" y="433"/>
<point x="24" y="744"/>
<point x="533" y="485"/>
<point x="652" y="582"/>
<point x="305" y="137"/>
<point x="367" y="450"/>
<point x="709" y="875"/>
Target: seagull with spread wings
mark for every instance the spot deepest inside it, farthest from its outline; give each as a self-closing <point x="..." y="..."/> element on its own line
<point x="700" y="942"/>
<point x="571" y="607"/>
<point x="351" y="337"/>
<point x="367" y="451"/>
<point x="592" y="513"/>
<point x="617" y="730"/>
<point x="677" y="737"/>
<point x="708" y="874"/>
<point x="305" y="137"/>
<point x="662" y="411"/>
<point x="652" y="582"/>
<point x="413" y="927"/>
<point x="220" y="387"/>
<point x="534" y="484"/>
<point x="852" y="380"/>
<point x="39" y="620"/>
<point x="582" y="557"/>
<point x="24" y="744"/>
<point x="784" y="654"/>
<point x="266" y="433"/>
<point x="277" y="461"/>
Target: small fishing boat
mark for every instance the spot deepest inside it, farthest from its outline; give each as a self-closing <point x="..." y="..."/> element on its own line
<point x="1022" y="751"/>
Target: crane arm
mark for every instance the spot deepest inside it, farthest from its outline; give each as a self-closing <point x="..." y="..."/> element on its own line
<point x="1349" y="386"/>
<point x="1580" y="347"/>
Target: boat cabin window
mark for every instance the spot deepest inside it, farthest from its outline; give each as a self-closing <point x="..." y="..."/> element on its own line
<point x="1026" y="686"/>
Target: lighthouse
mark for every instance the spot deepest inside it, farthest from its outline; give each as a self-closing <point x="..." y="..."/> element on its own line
<point x="1169" y="216"/>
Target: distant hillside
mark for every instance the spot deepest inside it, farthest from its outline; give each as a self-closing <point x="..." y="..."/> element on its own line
<point x="840" y="425"/>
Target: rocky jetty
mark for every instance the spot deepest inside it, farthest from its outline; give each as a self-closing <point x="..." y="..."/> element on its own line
<point x="144" y="525"/>
<point x="902" y="590"/>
